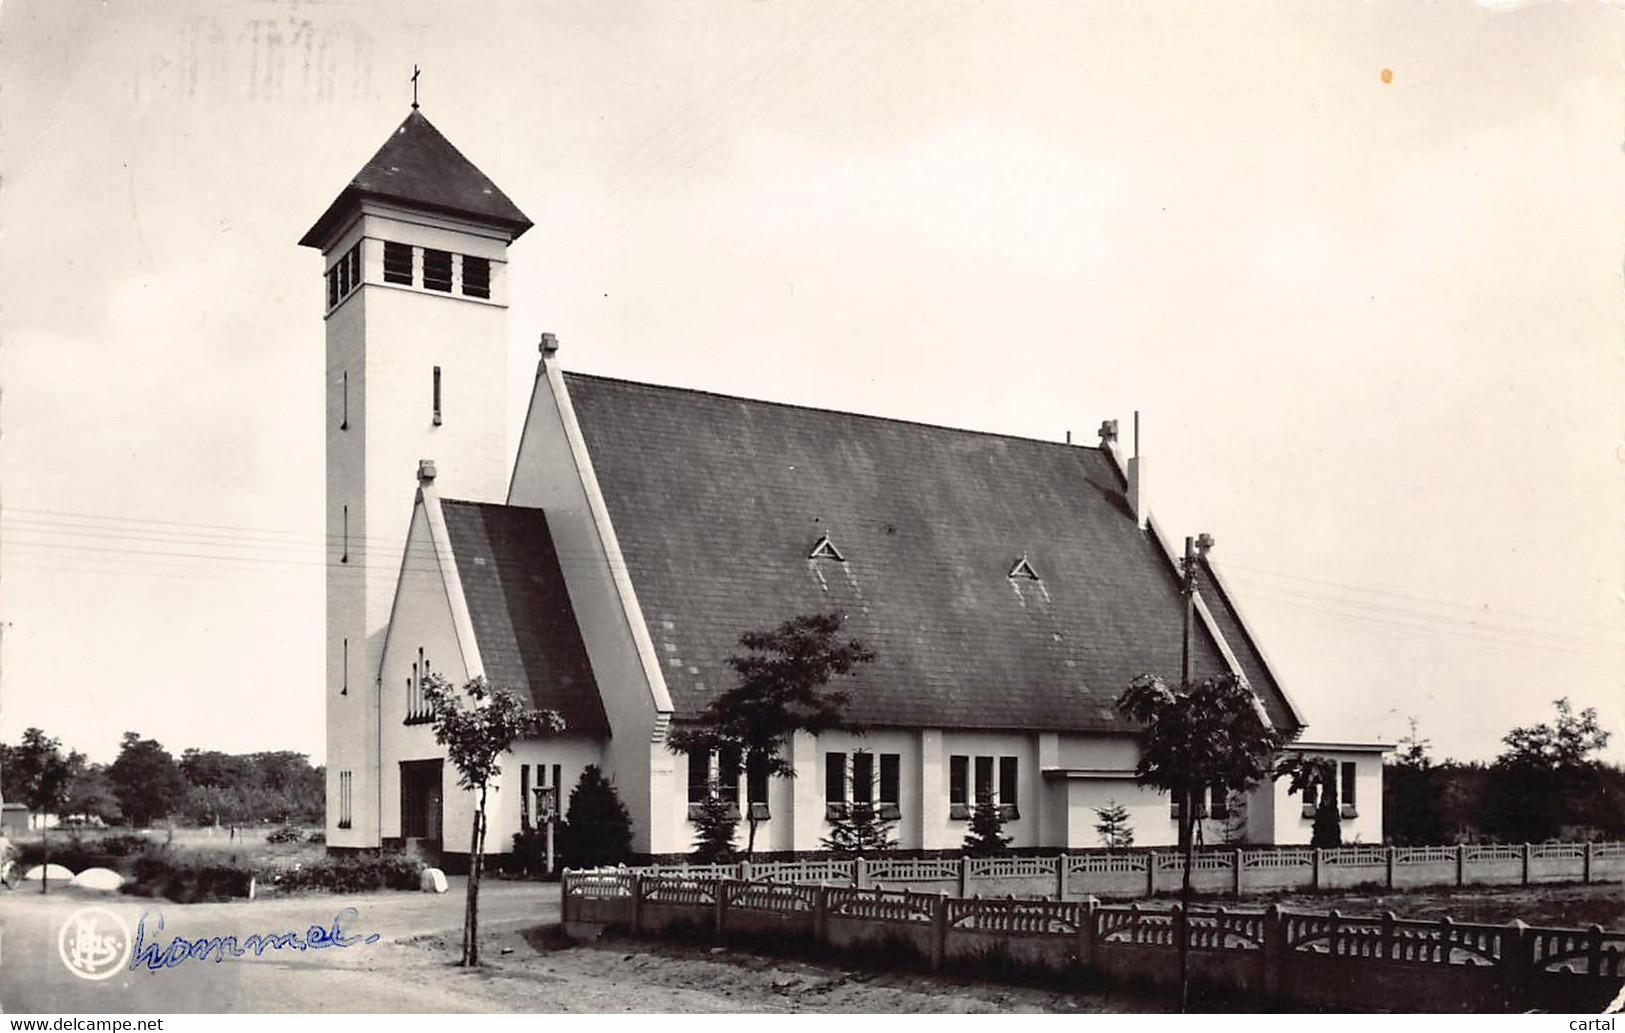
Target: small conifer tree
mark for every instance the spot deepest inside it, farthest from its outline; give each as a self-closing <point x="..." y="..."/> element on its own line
<point x="597" y="828"/>
<point x="1113" y="828"/>
<point x="859" y="831"/>
<point x="715" y="821"/>
<point x="985" y="837"/>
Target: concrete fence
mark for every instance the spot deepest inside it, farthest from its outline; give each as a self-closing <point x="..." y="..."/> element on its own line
<point x="1141" y="873"/>
<point x="1310" y="959"/>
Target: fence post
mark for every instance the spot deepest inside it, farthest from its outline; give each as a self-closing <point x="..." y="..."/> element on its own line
<point x="1236" y="880"/>
<point x="1515" y="958"/>
<point x="1150" y="873"/>
<point x="1587" y="875"/>
<point x="1086" y="931"/>
<point x="860" y="874"/>
<point x="1528" y="851"/>
<point x="939" y="930"/>
<point x="721" y="916"/>
<point x="1274" y="953"/>
<point x="821" y="912"/>
<point x="637" y="904"/>
<point x="1461" y="864"/>
<point x="1060" y="876"/>
<point x="1314" y="875"/>
<point x="1390" y="865"/>
<point x="1594" y="951"/>
<point x="964" y="865"/>
<point x="1386" y="947"/>
<point x="744" y="871"/>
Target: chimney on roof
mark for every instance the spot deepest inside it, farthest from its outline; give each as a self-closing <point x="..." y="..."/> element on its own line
<point x="1136" y="477"/>
<point x="548" y="345"/>
<point x="425" y="472"/>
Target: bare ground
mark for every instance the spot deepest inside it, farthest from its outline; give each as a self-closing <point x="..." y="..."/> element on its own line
<point x="536" y="969"/>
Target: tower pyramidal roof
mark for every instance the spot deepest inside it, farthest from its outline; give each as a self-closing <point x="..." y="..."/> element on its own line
<point x="419" y="168"/>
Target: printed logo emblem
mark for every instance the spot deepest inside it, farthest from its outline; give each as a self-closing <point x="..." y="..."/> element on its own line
<point x="94" y="943"/>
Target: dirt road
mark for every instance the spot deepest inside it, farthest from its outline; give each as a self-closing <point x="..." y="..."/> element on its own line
<point x="410" y="965"/>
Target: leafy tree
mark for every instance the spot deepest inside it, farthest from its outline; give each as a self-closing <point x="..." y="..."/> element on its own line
<point x="715" y="821"/>
<point x="1112" y="826"/>
<point x="597" y="828"/>
<point x="91" y="796"/>
<point x="985" y="837"/>
<point x="42" y="773"/>
<point x="1211" y="733"/>
<point x="782" y="690"/>
<point x="1546" y="776"/>
<point x="146" y="780"/>
<point x="477" y="725"/>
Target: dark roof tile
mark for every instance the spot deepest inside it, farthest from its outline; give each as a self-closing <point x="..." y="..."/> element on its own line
<point x="520" y="608"/>
<point x="717" y="501"/>
<point x="419" y="167"/>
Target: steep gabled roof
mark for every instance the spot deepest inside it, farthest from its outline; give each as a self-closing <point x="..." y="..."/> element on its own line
<point x="419" y="168"/>
<point x="717" y="503"/>
<point x="520" y="609"/>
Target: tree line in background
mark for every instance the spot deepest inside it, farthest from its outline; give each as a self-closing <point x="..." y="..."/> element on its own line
<point x="1545" y="784"/>
<point x="146" y="784"/>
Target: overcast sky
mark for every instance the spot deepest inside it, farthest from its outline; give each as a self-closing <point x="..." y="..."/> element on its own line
<point x="1373" y="327"/>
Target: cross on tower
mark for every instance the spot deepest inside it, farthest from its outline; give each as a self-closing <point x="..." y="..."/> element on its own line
<point x="414" y="87"/>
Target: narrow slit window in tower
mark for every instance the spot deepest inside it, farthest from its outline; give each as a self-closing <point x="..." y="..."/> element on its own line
<point x="476" y="277"/>
<point x="437" y="396"/>
<point x="344" y="554"/>
<point x="437" y="270"/>
<point x="397" y="263"/>
<point x="344" y="423"/>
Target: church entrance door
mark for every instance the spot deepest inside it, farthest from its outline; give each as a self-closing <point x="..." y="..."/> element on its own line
<point x="421" y="800"/>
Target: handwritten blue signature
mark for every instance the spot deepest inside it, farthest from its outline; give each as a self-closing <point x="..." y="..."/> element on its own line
<point x="155" y="956"/>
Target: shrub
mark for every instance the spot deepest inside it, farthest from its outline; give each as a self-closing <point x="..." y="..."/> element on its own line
<point x="188" y="881"/>
<point x="354" y="873"/>
<point x="285" y="834"/>
<point x="318" y="837"/>
<point x="597" y="829"/>
<point x="116" y="852"/>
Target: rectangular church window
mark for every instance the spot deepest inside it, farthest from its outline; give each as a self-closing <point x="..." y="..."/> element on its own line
<point x="958" y="787"/>
<point x="437" y="270"/>
<point x="476" y="277"/>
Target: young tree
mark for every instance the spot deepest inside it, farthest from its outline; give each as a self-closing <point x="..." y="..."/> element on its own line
<point x="1211" y="733"/>
<point x="597" y="828"/>
<point x="715" y="821"/>
<point x="477" y="725"/>
<point x="985" y="837"/>
<point x="146" y="780"/>
<point x="1112" y="826"/>
<point x="782" y="690"/>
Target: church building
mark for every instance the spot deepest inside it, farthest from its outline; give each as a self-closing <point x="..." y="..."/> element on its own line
<point x="1010" y="588"/>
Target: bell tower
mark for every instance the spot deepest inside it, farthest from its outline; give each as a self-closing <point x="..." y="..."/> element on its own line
<point x="414" y="294"/>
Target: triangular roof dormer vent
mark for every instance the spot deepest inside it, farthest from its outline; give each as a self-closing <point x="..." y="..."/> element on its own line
<point x="1024" y="569"/>
<point x="824" y="549"/>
